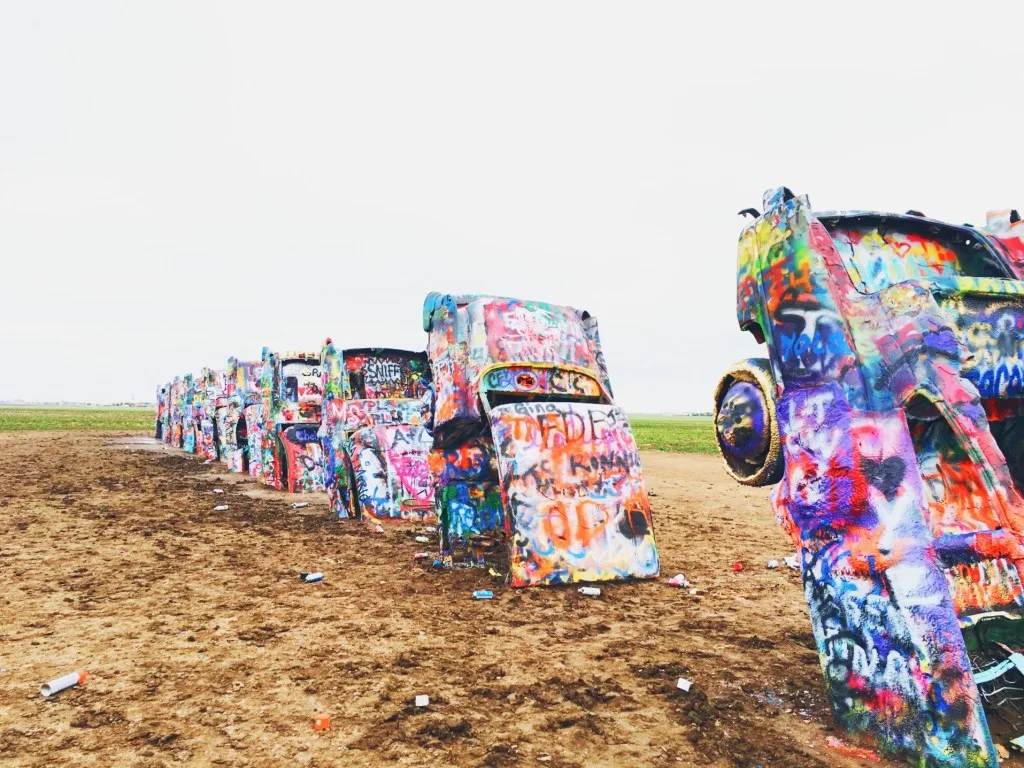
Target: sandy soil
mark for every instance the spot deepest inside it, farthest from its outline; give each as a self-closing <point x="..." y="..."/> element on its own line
<point x="203" y="647"/>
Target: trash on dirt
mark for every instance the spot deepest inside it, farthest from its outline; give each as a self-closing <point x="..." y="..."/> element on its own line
<point x="321" y="722"/>
<point x="792" y="561"/>
<point x="543" y="758"/>
<point x="421" y="556"/>
<point x="590" y="591"/>
<point x="64" y="681"/>
<point x="311" y="577"/>
<point x="858" y="753"/>
<point x="737" y="566"/>
<point x="494" y="573"/>
<point x="300" y="505"/>
<point x="683" y="684"/>
<point x="772" y="565"/>
<point x="379" y="528"/>
<point x="1017" y="745"/>
<point x="422" y="539"/>
<point x="220" y="507"/>
<point x="693" y="591"/>
<point x="422" y="700"/>
<point x="1002" y="751"/>
<point x="483" y="594"/>
<point x="217" y="490"/>
<point x="679" y="580"/>
<point x="651" y="493"/>
<point x="208" y="461"/>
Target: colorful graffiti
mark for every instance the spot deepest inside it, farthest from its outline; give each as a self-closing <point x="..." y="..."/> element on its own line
<point x="578" y="503"/>
<point x="890" y="408"/>
<point x="372" y="428"/>
<point x="517" y="384"/>
<point x="291" y="386"/>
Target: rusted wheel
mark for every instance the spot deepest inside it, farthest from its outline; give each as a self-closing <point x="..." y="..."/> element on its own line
<point x="746" y="427"/>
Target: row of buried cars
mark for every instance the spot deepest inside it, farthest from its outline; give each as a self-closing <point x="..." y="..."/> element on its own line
<point x="888" y="414"/>
<point x="503" y="432"/>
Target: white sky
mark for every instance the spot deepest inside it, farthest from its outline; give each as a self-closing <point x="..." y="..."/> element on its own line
<point x="180" y="182"/>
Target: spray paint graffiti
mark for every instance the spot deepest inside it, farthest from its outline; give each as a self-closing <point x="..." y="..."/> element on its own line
<point x="890" y="408"/>
<point x="579" y="507"/>
<point x="163" y="414"/>
<point x="240" y="392"/>
<point x="516" y="384"/>
<point x="291" y="385"/>
<point x="374" y="440"/>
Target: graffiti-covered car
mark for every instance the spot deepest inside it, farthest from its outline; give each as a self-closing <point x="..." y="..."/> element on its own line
<point x="234" y="404"/>
<point x="890" y="411"/>
<point x="529" y="448"/>
<point x="182" y="421"/>
<point x="208" y="389"/>
<point x="291" y="386"/>
<point x="376" y="446"/>
<point x="163" y="413"/>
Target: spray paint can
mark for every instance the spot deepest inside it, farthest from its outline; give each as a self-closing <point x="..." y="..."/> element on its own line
<point x="65" y="681"/>
<point x="310" y="577"/>
<point x="483" y="594"/>
<point x="590" y="591"/>
<point x="300" y="505"/>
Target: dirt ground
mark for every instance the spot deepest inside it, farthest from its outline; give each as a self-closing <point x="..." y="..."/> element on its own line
<point x="203" y="647"/>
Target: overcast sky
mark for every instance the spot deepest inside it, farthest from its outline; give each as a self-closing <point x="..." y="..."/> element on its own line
<point x="180" y="182"/>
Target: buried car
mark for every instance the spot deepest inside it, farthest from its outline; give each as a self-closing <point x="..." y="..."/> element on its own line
<point x="208" y="389"/>
<point x="530" y="451"/>
<point x="292" y="394"/>
<point x="235" y="405"/>
<point x="889" y="412"/>
<point x="163" y="413"/>
<point x="375" y="442"/>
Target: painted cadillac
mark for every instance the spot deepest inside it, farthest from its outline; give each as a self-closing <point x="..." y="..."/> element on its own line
<point x="375" y="443"/>
<point x="291" y="386"/>
<point x="239" y="393"/>
<point x="533" y="462"/>
<point x="182" y="425"/>
<point x="889" y="414"/>
<point x="208" y="389"/>
<point x="163" y="413"/>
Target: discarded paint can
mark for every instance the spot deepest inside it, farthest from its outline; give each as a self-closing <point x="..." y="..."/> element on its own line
<point x="679" y="580"/>
<point x="299" y="505"/>
<point x="422" y="539"/>
<point x="379" y="528"/>
<point x="321" y="722"/>
<point x="422" y="700"/>
<point x="483" y="594"/>
<point x="590" y="591"/>
<point x="421" y="556"/>
<point x="683" y="684"/>
<point x="62" y="682"/>
<point x="438" y="564"/>
<point x="792" y="562"/>
<point x="772" y="564"/>
<point x="311" y="577"/>
<point x="737" y="566"/>
<point x="220" y="507"/>
<point x="218" y="490"/>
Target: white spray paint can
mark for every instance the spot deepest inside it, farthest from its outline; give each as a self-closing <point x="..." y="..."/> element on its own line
<point x="60" y="683"/>
<point x="311" y="578"/>
<point x="590" y="591"/>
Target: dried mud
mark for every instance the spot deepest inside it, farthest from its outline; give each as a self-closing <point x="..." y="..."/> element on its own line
<point x="203" y="648"/>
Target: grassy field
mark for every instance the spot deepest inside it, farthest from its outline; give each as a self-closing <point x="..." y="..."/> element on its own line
<point x="93" y="419"/>
<point x="679" y="434"/>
